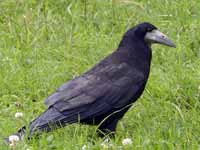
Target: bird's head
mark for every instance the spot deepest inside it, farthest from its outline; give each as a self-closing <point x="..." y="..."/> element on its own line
<point x="151" y="34"/>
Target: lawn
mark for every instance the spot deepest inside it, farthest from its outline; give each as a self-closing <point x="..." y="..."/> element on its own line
<point x="46" y="43"/>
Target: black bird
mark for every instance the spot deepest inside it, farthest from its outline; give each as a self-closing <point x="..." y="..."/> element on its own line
<point x="102" y="95"/>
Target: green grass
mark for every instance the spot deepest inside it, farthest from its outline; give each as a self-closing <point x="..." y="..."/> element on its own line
<point x="46" y="43"/>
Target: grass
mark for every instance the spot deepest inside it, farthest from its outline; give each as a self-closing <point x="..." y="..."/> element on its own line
<point x="46" y="43"/>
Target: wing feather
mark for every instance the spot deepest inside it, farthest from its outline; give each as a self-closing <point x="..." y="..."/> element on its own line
<point x="111" y="87"/>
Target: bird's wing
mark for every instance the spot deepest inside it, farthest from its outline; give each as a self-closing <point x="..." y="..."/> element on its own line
<point x="111" y="86"/>
<point x="75" y="93"/>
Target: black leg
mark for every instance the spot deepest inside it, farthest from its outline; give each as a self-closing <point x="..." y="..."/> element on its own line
<point x="108" y="128"/>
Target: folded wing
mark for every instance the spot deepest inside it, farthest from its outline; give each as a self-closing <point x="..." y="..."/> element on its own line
<point x="98" y="92"/>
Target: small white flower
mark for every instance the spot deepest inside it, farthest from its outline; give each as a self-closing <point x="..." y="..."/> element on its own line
<point x="84" y="147"/>
<point x="50" y="138"/>
<point x="13" y="139"/>
<point x="127" y="141"/>
<point x="18" y="115"/>
<point x="106" y="143"/>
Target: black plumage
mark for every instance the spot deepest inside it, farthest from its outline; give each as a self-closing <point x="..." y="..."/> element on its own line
<point x="102" y="95"/>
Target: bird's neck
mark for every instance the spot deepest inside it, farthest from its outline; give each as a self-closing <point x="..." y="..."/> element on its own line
<point x="136" y="47"/>
<point x="127" y="41"/>
<point x="137" y="52"/>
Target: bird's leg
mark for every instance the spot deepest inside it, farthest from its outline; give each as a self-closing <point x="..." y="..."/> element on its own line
<point x="107" y="128"/>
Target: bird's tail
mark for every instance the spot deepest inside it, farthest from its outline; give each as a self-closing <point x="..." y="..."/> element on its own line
<point x="47" y="121"/>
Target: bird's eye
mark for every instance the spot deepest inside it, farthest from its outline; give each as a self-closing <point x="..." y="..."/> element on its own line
<point x="149" y="29"/>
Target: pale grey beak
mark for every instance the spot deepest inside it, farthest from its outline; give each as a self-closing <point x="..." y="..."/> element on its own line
<point x="155" y="36"/>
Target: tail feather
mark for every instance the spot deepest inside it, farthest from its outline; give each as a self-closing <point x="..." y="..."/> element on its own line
<point x="47" y="121"/>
